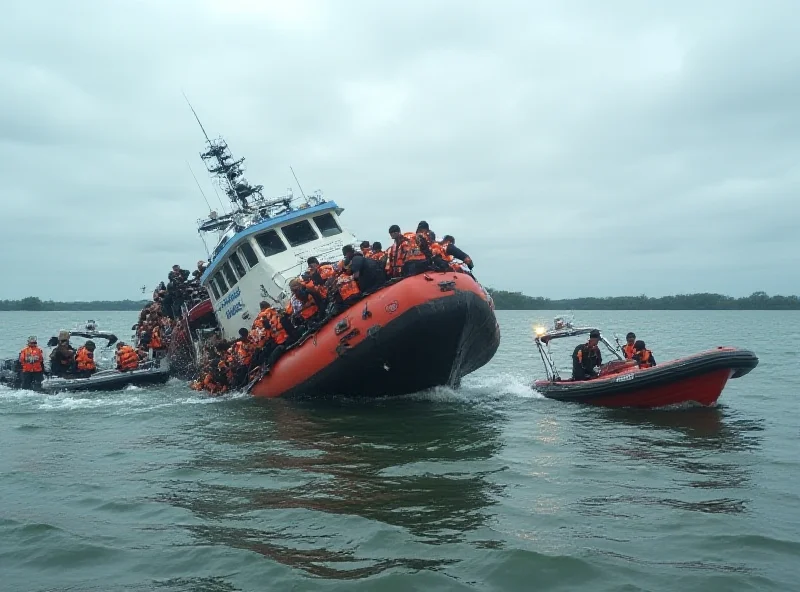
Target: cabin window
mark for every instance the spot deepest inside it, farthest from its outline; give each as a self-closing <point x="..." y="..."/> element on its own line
<point x="249" y="255"/>
<point x="223" y="287"/>
<point x="238" y="265"/>
<point x="327" y="224"/>
<point x="270" y="243"/>
<point x="214" y="290"/>
<point x="226" y="269"/>
<point x="299" y="233"/>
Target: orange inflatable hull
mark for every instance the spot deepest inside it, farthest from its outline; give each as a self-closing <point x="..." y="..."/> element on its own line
<point x="423" y="331"/>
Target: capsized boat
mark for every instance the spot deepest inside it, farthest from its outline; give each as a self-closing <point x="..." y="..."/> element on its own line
<point x="149" y="372"/>
<point x="698" y="378"/>
<point x="410" y="334"/>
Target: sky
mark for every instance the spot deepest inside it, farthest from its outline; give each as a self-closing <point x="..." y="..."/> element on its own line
<point x="573" y="148"/>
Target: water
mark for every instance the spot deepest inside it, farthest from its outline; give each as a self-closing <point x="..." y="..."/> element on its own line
<point x="488" y="488"/>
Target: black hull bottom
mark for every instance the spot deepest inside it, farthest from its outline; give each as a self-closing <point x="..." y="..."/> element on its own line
<point x="115" y="382"/>
<point x="433" y="344"/>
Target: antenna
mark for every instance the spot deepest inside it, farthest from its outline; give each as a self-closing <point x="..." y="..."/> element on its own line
<point x="196" y="117"/>
<point x="298" y="184"/>
<point x="198" y="186"/>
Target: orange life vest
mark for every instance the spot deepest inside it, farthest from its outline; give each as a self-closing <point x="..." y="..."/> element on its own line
<point x="347" y="286"/>
<point x="377" y="255"/>
<point x="155" y="338"/>
<point x="127" y="358"/>
<point x="628" y="351"/>
<point x="85" y="360"/>
<point x="279" y="334"/>
<point x="305" y="309"/>
<point x="643" y="357"/>
<point x="243" y="353"/>
<point x="31" y="359"/>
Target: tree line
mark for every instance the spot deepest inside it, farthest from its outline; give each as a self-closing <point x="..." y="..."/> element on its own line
<point x="33" y="303"/>
<point x="503" y="300"/>
<point x="756" y="301"/>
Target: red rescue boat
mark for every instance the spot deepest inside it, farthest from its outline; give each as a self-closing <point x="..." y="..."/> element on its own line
<point x="416" y="333"/>
<point x="699" y="378"/>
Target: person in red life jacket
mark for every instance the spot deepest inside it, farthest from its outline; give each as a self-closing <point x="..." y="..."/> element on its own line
<point x="368" y="273"/>
<point x="643" y="356"/>
<point x="586" y="357"/>
<point x="378" y="254"/>
<point x="31" y="361"/>
<point x="451" y="251"/>
<point x="629" y="349"/>
<point x="305" y="303"/>
<point x="127" y="358"/>
<point x="62" y="358"/>
<point x="404" y="257"/>
<point x="366" y="249"/>
<point x="84" y="360"/>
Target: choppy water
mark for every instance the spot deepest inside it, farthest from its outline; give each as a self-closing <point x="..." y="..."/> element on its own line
<point x="488" y="488"/>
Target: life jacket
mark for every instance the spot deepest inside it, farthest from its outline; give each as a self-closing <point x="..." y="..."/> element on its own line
<point x="319" y="277"/>
<point x="242" y="352"/>
<point x="127" y="359"/>
<point x="413" y="250"/>
<point x="262" y="319"/>
<point x="377" y="255"/>
<point x="347" y="286"/>
<point x="85" y="360"/>
<point x="155" y="338"/>
<point x="628" y="351"/>
<point x="305" y="309"/>
<point x="367" y="252"/>
<point x="279" y="334"/>
<point x="407" y="250"/>
<point x="259" y="335"/>
<point x="32" y="359"/>
<point x="644" y="358"/>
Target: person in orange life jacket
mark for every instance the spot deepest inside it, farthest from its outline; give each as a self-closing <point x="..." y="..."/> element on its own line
<point x="643" y="356"/>
<point x="62" y="358"/>
<point x="366" y="250"/>
<point x="127" y="358"/>
<point x="404" y="257"/>
<point x="242" y="357"/>
<point x="345" y="291"/>
<point x="305" y="303"/>
<point x="369" y="274"/>
<point x="319" y="274"/>
<point x="629" y="349"/>
<point x="586" y="357"/>
<point x="378" y="254"/>
<point x="84" y="360"/>
<point x="448" y="244"/>
<point x="31" y="361"/>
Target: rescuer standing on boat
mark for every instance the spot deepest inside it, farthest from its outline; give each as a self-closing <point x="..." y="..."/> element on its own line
<point x="31" y="360"/>
<point x="586" y="357"/>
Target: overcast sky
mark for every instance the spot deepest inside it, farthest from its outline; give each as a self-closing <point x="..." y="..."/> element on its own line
<point x="573" y="148"/>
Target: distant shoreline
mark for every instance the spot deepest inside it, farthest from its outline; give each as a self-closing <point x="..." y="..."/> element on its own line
<point x="503" y="300"/>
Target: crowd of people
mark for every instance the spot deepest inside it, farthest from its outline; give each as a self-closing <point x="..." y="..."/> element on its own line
<point x="321" y="292"/>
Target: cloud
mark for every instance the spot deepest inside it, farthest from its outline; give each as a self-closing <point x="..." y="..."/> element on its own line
<point x="573" y="149"/>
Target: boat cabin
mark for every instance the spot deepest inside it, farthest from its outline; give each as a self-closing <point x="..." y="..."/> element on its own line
<point x="256" y="263"/>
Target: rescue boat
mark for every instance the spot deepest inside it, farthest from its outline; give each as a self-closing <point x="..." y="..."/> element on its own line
<point x="423" y="331"/>
<point x="696" y="379"/>
<point x="149" y="372"/>
<point x="410" y="334"/>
